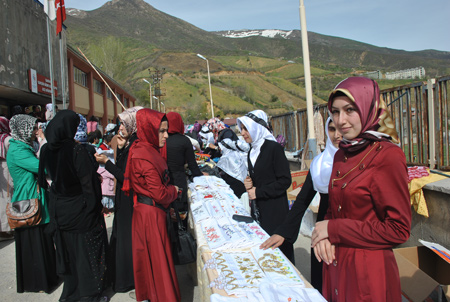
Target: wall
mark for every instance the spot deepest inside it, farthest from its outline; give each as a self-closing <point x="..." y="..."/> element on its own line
<point x="24" y="44"/>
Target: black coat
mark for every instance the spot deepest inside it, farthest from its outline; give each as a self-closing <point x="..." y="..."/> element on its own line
<point x="121" y="257"/>
<point x="272" y="177"/>
<point x="291" y="225"/>
<point x="179" y="152"/>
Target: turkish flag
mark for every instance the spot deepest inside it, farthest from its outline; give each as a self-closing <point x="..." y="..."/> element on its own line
<point x="60" y="14"/>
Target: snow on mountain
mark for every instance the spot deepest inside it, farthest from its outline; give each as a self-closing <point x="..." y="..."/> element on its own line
<point x="268" y="33"/>
<point x="76" y="12"/>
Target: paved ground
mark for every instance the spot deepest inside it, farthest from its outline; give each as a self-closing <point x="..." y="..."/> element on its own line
<point x="188" y="290"/>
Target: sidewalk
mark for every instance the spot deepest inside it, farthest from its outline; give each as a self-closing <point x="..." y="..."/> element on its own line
<point x="189" y="292"/>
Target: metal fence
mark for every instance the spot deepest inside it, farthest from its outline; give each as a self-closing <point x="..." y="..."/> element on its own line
<point x="421" y="115"/>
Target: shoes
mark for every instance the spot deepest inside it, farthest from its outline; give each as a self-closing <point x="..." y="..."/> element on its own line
<point x="133" y="296"/>
<point x="103" y="299"/>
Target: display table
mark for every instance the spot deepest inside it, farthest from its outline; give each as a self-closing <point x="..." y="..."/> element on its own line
<point x="204" y="253"/>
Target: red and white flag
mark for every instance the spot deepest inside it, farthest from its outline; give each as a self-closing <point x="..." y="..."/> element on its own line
<point x="60" y="14"/>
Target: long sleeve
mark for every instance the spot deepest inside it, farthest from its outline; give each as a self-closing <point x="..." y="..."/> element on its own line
<point x="27" y="160"/>
<point x="115" y="170"/>
<point x="389" y="221"/>
<point x="90" y="183"/>
<point x="150" y="184"/>
<point x="282" y="175"/>
<point x="291" y="225"/>
<point x="190" y="158"/>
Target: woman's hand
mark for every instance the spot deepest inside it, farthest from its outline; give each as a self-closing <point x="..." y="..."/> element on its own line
<point x="320" y="232"/>
<point x="40" y="134"/>
<point x="101" y="158"/>
<point x="274" y="241"/>
<point x="248" y="183"/>
<point x="121" y="141"/>
<point x="325" y="251"/>
<point x="252" y="193"/>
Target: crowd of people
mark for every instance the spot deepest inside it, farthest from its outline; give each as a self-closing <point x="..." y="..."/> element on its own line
<point x="138" y="170"/>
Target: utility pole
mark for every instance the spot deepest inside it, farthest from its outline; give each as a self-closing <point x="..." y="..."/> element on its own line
<point x="156" y="78"/>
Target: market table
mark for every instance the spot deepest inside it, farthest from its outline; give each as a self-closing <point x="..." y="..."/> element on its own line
<point x="206" y="275"/>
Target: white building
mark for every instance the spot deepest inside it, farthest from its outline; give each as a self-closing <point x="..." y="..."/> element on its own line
<point x="418" y="72"/>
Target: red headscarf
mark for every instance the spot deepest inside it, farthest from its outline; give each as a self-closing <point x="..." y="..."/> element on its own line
<point x="376" y="123"/>
<point x="176" y="125"/>
<point x="146" y="147"/>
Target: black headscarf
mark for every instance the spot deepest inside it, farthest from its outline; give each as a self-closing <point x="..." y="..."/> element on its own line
<point x="61" y="129"/>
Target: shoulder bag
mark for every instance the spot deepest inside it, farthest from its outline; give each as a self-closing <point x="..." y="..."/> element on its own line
<point x="185" y="250"/>
<point x="24" y="213"/>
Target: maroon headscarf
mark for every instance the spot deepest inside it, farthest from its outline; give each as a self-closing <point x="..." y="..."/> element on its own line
<point x="376" y="123"/>
<point x="4" y="133"/>
<point x="176" y="124"/>
<point x="146" y="147"/>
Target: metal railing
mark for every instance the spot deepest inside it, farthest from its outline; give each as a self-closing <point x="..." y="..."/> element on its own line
<point x="421" y="117"/>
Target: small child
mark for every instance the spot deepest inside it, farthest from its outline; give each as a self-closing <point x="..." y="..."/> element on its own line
<point x="108" y="179"/>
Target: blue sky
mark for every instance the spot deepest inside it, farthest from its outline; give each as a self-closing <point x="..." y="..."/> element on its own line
<point x="399" y="24"/>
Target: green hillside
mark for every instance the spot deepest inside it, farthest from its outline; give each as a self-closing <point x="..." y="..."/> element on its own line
<point x="129" y="37"/>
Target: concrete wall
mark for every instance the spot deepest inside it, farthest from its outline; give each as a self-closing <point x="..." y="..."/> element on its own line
<point x="23" y="30"/>
<point x="435" y="228"/>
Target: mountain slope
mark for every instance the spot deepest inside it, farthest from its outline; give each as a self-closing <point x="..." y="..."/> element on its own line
<point x="262" y="70"/>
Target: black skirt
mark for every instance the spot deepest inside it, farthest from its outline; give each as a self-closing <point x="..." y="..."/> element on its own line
<point x="35" y="260"/>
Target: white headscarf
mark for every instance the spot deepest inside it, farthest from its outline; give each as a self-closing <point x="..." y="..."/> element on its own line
<point x="322" y="165"/>
<point x="257" y="132"/>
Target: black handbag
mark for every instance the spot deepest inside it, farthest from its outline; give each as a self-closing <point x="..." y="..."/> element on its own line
<point x="184" y="250"/>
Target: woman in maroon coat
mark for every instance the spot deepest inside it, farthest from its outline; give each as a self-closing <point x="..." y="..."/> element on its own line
<point x="369" y="210"/>
<point x="147" y="174"/>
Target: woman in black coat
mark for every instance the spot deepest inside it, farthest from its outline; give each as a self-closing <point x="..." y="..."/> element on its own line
<point x="75" y="210"/>
<point x="121" y="258"/>
<point x="178" y="151"/>
<point x="270" y="175"/>
<point x="316" y="182"/>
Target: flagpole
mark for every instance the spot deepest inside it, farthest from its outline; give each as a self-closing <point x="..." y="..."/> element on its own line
<point x="50" y="59"/>
<point x="112" y="92"/>
<point x="63" y="81"/>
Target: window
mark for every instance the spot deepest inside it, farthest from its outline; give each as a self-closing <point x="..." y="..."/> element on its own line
<point x="80" y="77"/>
<point x="98" y="86"/>
<point x="109" y="94"/>
<point x="125" y="102"/>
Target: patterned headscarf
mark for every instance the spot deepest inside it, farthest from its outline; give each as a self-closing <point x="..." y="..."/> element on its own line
<point x="4" y="133"/>
<point x="128" y="118"/>
<point x="376" y="121"/>
<point x="215" y="126"/>
<point x="22" y="126"/>
<point x="81" y="134"/>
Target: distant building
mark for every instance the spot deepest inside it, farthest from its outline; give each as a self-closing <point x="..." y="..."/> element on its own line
<point x="413" y="73"/>
<point x="376" y="75"/>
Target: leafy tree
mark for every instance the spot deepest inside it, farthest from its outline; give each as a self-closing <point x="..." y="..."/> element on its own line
<point x="109" y="55"/>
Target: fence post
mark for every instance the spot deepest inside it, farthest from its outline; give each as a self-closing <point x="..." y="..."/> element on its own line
<point x="431" y="130"/>
<point x="296" y="131"/>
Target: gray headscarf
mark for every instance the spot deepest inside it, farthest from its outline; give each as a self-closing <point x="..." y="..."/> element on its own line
<point x="128" y="118"/>
<point x="22" y="126"/>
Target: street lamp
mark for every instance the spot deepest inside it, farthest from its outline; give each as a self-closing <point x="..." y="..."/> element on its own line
<point x="150" y="93"/>
<point x="157" y="103"/>
<point x="209" y="81"/>
<point x="164" y="106"/>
